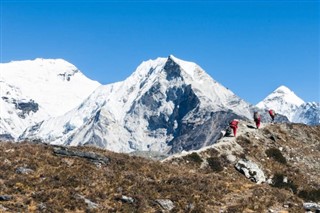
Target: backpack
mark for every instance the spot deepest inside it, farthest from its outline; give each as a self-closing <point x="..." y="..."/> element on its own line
<point x="256" y="116"/>
<point x="234" y="123"/>
<point x="228" y="131"/>
<point x="271" y="112"/>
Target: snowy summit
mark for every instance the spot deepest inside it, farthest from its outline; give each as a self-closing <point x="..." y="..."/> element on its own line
<point x="55" y="84"/>
<point x="283" y="101"/>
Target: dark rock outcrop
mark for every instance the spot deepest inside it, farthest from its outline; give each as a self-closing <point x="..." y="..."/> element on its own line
<point x="64" y="151"/>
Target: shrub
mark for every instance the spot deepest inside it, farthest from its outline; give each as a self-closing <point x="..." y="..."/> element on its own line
<point x="215" y="164"/>
<point x="311" y="195"/>
<point x="276" y="155"/>
<point x="195" y="157"/>
<point x="278" y="182"/>
<point x="236" y="208"/>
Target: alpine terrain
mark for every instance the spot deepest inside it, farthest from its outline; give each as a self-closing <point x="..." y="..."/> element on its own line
<point x="35" y="90"/>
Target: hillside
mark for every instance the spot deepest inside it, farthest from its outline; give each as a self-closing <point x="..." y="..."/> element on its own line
<point x="36" y="177"/>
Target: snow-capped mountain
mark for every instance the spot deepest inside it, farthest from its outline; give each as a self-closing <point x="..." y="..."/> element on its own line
<point x="285" y="102"/>
<point x="166" y="105"/>
<point x="35" y="90"/>
<point x="308" y="113"/>
<point x="18" y="111"/>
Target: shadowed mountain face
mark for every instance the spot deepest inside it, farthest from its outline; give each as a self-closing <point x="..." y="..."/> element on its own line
<point x="195" y="136"/>
<point x="184" y="101"/>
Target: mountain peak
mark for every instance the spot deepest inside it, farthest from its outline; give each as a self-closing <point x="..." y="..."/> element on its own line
<point x="173" y="67"/>
<point x="287" y="94"/>
<point x="283" y="101"/>
<point x="283" y="94"/>
<point x="42" y="62"/>
<point x="188" y="67"/>
<point x="283" y="89"/>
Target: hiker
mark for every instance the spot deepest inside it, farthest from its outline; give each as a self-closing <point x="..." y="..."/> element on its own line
<point x="257" y="119"/>
<point x="234" y="125"/>
<point x="272" y="115"/>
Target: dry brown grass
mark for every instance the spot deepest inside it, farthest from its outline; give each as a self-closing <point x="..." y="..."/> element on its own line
<point x="58" y="182"/>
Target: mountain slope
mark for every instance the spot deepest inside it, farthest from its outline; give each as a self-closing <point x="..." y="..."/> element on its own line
<point x="164" y="99"/>
<point x="35" y="90"/>
<point x="41" y="178"/>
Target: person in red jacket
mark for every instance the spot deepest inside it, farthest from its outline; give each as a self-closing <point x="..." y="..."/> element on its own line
<point x="272" y="115"/>
<point x="234" y="126"/>
<point x="257" y="119"/>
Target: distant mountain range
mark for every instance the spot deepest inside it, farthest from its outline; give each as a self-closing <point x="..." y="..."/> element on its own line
<point x="167" y="105"/>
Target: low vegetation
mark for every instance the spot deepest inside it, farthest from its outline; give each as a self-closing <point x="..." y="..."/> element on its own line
<point x="279" y="181"/>
<point x="215" y="164"/>
<point x="310" y="195"/>
<point x="194" y="157"/>
<point x="276" y="155"/>
<point x="34" y="178"/>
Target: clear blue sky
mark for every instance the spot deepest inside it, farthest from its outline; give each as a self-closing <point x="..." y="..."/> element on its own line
<point x="251" y="47"/>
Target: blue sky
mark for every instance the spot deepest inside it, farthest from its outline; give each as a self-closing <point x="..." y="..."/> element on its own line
<point x="251" y="47"/>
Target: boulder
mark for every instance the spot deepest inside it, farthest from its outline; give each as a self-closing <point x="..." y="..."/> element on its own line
<point x="166" y="204"/>
<point x="251" y="170"/>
